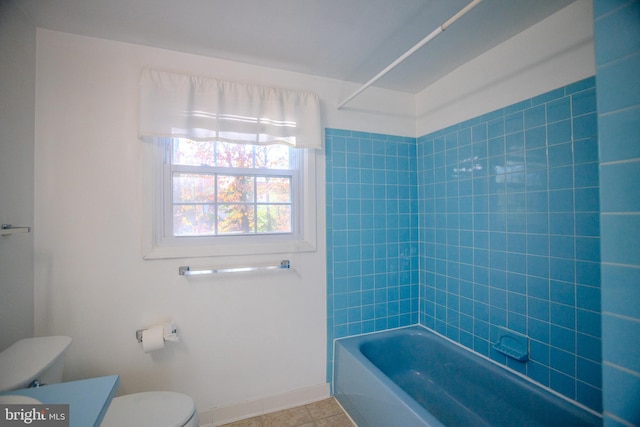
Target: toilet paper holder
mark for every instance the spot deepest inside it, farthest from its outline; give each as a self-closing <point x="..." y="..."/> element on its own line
<point x="170" y="333"/>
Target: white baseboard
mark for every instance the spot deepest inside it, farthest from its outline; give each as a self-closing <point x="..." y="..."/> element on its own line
<point x="253" y="408"/>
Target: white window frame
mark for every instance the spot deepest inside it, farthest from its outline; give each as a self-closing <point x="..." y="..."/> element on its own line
<point x="156" y="200"/>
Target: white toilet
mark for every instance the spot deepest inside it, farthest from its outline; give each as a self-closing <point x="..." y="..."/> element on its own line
<point x="152" y="409"/>
<point x="39" y="361"/>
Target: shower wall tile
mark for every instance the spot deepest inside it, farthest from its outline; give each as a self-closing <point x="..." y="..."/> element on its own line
<point x="617" y="49"/>
<point x="510" y="235"/>
<point x="623" y="291"/>
<point x="372" y="233"/>
<point x="618" y="129"/>
<point x="494" y="222"/>
<point x="625" y="70"/>
<point x="622" y="185"/>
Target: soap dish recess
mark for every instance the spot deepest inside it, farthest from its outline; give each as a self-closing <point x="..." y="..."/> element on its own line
<point x="513" y="345"/>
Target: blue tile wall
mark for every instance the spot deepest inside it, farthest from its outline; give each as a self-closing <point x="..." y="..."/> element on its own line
<point x="372" y="230"/>
<point x="617" y="49"/>
<point x="509" y="237"/>
<point x="501" y="214"/>
<point x="537" y="241"/>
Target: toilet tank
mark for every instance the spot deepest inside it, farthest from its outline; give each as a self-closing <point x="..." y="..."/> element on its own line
<point x="33" y="360"/>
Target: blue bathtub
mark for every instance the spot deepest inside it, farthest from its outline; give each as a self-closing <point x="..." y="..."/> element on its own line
<point x="413" y="377"/>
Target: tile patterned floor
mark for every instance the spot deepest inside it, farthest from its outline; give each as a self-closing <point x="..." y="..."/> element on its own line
<point x="325" y="413"/>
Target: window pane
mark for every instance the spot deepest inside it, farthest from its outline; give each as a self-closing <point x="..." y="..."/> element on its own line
<point x="194" y="220"/>
<point x="234" y="155"/>
<point x="273" y="157"/>
<point x="273" y="189"/>
<point x="232" y="188"/>
<point x="274" y="219"/>
<point x="193" y="187"/>
<point x="192" y="153"/>
<point x="236" y="219"/>
<point x="220" y="188"/>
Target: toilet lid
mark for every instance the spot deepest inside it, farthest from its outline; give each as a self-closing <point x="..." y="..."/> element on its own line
<point x="150" y="409"/>
<point x="25" y="360"/>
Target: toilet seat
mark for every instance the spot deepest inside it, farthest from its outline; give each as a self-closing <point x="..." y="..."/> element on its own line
<point x="152" y="409"/>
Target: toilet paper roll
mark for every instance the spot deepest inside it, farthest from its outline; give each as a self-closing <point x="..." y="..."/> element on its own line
<point x="153" y="339"/>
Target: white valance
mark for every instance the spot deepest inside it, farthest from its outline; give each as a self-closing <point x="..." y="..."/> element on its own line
<point x="201" y="108"/>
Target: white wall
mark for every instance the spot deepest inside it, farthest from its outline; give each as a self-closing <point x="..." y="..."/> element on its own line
<point x="17" y="86"/>
<point x="553" y="53"/>
<point x="243" y="336"/>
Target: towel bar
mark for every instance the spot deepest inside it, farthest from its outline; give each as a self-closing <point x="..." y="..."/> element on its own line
<point x="8" y="229"/>
<point x="185" y="270"/>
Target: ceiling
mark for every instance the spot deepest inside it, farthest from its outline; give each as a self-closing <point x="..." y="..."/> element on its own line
<point x="350" y="40"/>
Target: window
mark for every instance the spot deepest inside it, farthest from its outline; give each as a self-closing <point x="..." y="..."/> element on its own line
<point x="231" y="167"/>
<point x="221" y="189"/>
<point x="214" y="198"/>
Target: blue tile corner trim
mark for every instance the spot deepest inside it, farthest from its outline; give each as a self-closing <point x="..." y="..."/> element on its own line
<point x="617" y="53"/>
